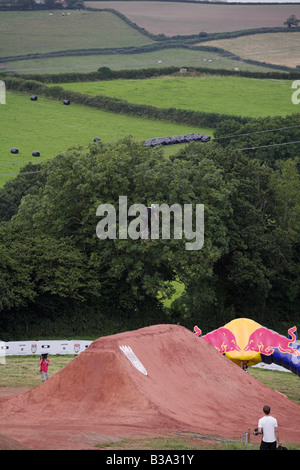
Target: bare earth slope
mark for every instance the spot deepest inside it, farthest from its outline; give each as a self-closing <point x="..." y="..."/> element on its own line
<point x="100" y="396"/>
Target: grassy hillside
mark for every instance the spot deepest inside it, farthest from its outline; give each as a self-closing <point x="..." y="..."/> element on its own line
<point x="75" y="29"/>
<point x="178" y="57"/>
<point x="50" y="127"/>
<point x="86" y="40"/>
<point x="228" y="95"/>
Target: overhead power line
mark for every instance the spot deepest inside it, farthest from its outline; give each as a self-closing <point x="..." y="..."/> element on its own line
<point x="255" y="132"/>
<point x="271" y="145"/>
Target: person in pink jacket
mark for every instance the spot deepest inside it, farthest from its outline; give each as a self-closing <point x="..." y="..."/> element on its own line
<point x="44" y="363"/>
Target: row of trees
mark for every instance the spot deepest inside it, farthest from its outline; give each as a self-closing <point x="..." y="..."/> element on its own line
<point x="57" y="278"/>
<point x="105" y="73"/>
<point x="292" y="21"/>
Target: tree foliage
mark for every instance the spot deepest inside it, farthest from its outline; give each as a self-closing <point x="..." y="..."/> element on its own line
<point x="292" y="21"/>
<point x="57" y="276"/>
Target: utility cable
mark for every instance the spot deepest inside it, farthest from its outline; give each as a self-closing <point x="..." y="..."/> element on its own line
<point x="255" y="132"/>
<point x="271" y="145"/>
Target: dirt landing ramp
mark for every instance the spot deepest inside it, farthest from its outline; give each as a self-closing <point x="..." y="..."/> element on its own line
<point x="100" y="396"/>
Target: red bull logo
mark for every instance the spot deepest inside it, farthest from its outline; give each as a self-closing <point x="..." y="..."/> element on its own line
<point x="244" y="340"/>
<point x="197" y="331"/>
<point x="266" y="341"/>
<point x="222" y="339"/>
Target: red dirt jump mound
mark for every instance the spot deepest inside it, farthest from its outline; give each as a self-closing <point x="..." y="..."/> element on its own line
<point x="101" y="396"/>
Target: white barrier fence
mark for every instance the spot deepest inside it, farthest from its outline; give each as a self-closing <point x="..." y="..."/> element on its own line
<point x="29" y="348"/>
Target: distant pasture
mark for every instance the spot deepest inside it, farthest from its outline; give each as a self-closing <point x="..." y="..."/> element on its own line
<point x="191" y="18"/>
<point x="273" y="48"/>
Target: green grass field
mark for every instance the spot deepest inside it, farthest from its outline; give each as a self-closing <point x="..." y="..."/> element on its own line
<point x="163" y="58"/>
<point x="224" y="95"/>
<point x="77" y="29"/>
<point x="50" y="127"/>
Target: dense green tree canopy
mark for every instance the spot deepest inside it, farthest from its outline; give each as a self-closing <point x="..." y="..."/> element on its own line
<point x="57" y="276"/>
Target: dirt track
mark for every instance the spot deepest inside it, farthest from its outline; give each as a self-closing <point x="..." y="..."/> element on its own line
<point x="100" y="396"/>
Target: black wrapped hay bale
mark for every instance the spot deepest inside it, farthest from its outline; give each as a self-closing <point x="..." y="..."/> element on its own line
<point x="33" y="98"/>
<point x="35" y="153"/>
<point x="189" y="137"/>
<point x="177" y="139"/>
<point x="14" y="150"/>
<point x="67" y="102"/>
<point x="150" y="143"/>
<point x="97" y="139"/>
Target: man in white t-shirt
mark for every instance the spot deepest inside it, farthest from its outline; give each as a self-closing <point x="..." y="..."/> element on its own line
<point x="267" y="426"/>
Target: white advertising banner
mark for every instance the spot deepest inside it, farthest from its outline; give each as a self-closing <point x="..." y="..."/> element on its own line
<point x="2" y="352"/>
<point x="29" y="348"/>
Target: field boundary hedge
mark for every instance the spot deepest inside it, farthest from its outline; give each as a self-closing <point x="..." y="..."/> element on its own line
<point x="105" y="73"/>
<point x="116" y="105"/>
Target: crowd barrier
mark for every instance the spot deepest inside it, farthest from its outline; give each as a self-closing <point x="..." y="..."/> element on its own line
<point x="29" y="348"/>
